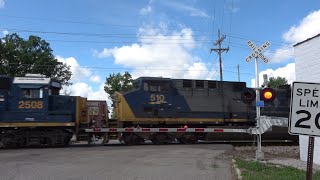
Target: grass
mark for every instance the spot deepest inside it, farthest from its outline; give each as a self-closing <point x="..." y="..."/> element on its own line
<point x="253" y="170"/>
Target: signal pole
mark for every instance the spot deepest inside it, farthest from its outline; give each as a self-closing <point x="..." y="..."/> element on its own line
<point x="238" y="72"/>
<point x="256" y="54"/>
<point x="219" y="50"/>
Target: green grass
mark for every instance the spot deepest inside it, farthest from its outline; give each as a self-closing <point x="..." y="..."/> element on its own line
<point x="253" y="170"/>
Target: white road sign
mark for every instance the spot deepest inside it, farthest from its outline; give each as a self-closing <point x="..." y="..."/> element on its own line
<point x="257" y="51"/>
<point x="304" y="116"/>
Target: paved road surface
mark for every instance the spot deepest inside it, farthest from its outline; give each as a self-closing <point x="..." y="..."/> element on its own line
<point x="146" y="162"/>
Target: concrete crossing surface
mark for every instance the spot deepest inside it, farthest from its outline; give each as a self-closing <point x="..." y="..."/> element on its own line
<point x="145" y="162"/>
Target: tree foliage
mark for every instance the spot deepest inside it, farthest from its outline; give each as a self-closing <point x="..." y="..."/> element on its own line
<point x="118" y="82"/>
<point x="276" y="82"/>
<point x="34" y="55"/>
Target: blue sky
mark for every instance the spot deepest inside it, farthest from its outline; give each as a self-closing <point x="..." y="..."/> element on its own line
<point x="169" y="38"/>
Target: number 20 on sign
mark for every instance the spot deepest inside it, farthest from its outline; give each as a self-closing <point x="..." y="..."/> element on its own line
<point x="305" y="109"/>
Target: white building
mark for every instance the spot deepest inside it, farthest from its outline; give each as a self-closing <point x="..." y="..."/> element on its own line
<point x="307" y="59"/>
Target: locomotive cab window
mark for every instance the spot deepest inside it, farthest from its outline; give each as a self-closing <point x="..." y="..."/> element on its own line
<point x="199" y="84"/>
<point x="32" y="93"/>
<point x="212" y="85"/>
<point x="187" y="83"/>
<point x="156" y="86"/>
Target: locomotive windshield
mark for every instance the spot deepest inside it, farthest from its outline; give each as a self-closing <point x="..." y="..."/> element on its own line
<point x="156" y="86"/>
<point x="32" y="93"/>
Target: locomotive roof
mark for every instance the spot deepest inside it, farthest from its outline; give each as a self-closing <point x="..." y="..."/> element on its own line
<point x="153" y="78"/>
<point x="31" y="80"/>
<point x="35" y="79"/>
<point x="161" y="78"/>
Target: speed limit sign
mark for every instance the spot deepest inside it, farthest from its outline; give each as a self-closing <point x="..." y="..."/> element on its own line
<point x="305" y="109"/>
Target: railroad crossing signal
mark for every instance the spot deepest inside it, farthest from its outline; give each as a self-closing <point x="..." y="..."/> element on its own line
<point x="257" y="51"/>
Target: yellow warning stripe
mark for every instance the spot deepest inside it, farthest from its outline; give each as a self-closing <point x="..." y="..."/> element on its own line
<point x="36" y="124"/>
<point x="184" y="120"/>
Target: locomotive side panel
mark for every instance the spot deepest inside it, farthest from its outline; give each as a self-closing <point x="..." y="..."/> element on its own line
<point x="178" y="101"/>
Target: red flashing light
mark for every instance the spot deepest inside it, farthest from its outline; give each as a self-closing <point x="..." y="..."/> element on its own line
<point x="268" y="94"/>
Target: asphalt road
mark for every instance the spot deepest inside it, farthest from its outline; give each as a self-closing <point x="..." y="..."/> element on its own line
<point x="116" y="162"/>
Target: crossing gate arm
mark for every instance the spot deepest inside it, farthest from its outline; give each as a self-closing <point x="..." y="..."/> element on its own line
<point x="197" y="130"/>
<point x="267" y="122"/>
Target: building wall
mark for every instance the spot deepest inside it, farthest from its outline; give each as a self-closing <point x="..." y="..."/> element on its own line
<point x="307" y="59"/>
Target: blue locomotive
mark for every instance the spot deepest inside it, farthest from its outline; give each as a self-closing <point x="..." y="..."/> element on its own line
<point x="33" y="113"/>
<point x="165" y="102"/>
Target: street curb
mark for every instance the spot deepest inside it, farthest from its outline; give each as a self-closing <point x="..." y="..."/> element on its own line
<point x="238" y="172"/>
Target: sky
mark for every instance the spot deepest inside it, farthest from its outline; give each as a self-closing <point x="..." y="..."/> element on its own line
<point x="167" y="38"/>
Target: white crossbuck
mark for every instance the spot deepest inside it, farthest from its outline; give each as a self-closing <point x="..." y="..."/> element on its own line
<point x="257" y="51"/>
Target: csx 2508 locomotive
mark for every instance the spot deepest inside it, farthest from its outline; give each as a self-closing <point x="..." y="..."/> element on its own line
<point x="33" y="113"/>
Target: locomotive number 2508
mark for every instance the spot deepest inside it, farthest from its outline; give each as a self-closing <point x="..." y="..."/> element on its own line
<point x="30" y="105"/>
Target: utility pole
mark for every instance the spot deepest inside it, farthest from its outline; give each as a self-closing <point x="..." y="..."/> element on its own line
<point x="219" y="50"/>
<point x="238" y="72"/>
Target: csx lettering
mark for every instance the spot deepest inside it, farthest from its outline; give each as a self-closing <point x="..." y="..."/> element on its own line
<point x="30" y="105"/>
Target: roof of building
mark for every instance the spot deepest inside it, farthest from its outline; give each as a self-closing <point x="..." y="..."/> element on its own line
<point x="306" y="40"/>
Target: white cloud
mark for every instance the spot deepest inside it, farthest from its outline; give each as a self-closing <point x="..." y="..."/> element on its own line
<point x="104" y="53"/>
<point x="78" y="72"/>
<point x="79" y="77"/>
<point x="158" y="54"/>
<point x="5" y="32"/>
<point x="287" y="72"/>
<point x="146" y="10"/>
<point x="280" y="55"/>
<point x="183" y="7"/>
<point x="95" y="79"/>
<point x="85" y="90"/>
<point x="306" y="28"/>
<point x="2" y="3"/>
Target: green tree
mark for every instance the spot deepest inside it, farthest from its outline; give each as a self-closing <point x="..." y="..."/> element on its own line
<point x="34" y="55"/>
<point x="118" y="82"/>
<point x="276" y="82"/>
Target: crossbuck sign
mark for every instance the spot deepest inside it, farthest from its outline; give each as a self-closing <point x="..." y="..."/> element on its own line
<point x="304" y="116"/>
<point x="257" y="51"/>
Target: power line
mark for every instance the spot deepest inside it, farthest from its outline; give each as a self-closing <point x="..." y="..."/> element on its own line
<point x="122" y="68"/>
<point x="134" y="36"/>
<point x="231" y="13"/>
<point x="130" y="26"/>
<point x="80" y="22"/>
